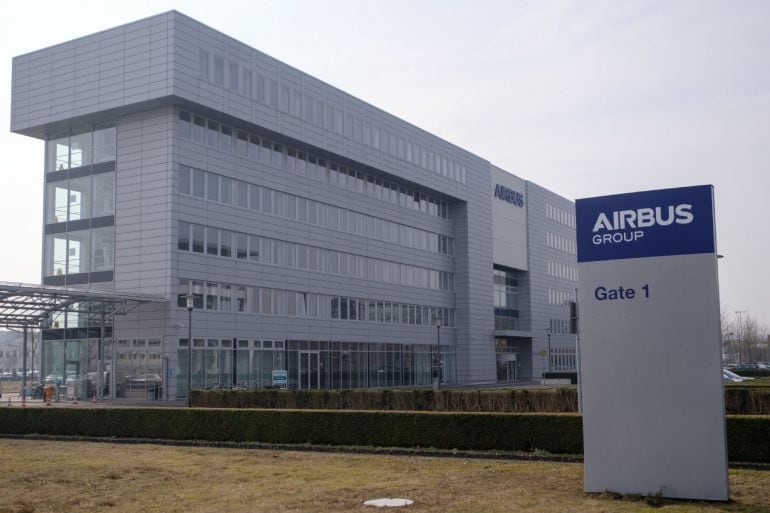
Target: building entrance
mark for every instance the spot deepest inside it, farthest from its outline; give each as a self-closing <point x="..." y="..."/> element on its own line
<point x="309" y="376"/>
<point x="507" y="367"/>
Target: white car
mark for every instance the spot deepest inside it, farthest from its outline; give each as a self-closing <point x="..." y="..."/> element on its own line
<point x="732" y="377"/>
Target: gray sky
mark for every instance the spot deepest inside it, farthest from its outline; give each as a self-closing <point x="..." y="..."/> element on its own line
<point x="584" y="98"/>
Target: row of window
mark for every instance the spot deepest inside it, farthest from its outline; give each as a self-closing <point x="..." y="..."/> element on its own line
<point x="561" y="270"/>
<point x="215" y="241"/>
<point x="559" y="326"/>
<point x="559" y="215"/>
<point x="565" y="244"/>
<point x="80" y="198"/>
<point x="560" y="297"/>
<point x="213" y="187"/>
<point x="81" y="149"/>
<point x="278" y="155"/>
<point x="226" y="297"/>
<point x="227" y="343"/>
<point x="312" y="110"/>
<point x="563" y="359"/>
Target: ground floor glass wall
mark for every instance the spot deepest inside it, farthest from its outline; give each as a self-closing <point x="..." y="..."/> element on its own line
<point x="74" y="365"/>
<point x="310" y="364"/>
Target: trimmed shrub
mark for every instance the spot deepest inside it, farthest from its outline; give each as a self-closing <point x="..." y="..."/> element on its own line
<point x="560" y="434"/>
<point x="738" y="401"/>
<point x="572" y="376"/>
<point x="561" y="400"/>
<point x="748" y="437"/>
<point x="747" y="401"/>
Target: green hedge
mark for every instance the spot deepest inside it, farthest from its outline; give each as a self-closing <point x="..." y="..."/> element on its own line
<point x="562" y="400"/>
<point x="753" y="373"/>
<point x="748" y="436"/>
<point x="561" y="434"/>
<point x="738" y="401"/>
<point x="747" y="401"/>
<point x="571" y="376"/>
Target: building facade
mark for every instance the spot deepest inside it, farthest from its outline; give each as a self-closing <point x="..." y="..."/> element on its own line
<point x="318" y="234"/>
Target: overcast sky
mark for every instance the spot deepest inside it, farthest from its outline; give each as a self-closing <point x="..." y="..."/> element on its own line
<point x="584" y="98"/>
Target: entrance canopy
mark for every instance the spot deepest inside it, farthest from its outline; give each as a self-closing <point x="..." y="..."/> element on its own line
<point x="24" y="305"/>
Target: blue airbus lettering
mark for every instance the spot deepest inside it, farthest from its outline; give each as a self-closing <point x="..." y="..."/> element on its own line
<point x="509" y="195"/>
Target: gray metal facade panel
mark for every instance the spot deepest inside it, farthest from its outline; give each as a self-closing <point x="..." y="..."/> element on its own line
<point x="540" y="281"/>
<point x="143" y="218"/>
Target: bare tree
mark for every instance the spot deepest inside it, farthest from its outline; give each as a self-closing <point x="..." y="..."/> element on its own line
<point x="33" y="344"/>
<point x="729" y="341"/>
<point x="744" y="337"/>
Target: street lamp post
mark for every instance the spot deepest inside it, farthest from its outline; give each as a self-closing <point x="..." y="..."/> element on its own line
<point x="190" y="305"/>
<point x="549" y="350"/>
<point x="438" y="356"/>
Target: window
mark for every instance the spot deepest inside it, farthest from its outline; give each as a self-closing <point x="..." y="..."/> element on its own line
<point x="78" y="252"/>
<point x="198" y="129"/>
<point x="247" y="82"/>
<point x="58" y="154"/>
<point x="241" y="251"/>
<point x="219" y="70"/>
<point x="198" y="183"/>
<point x="80" y="149"/>
<point x="183" y="239"/>
<point x="197" y="238"/>
<point x="184" y="180"/>
<point x="242" y="144"/>
<point x="212" y="296"/>
<point x="79" y="203"/>
<point x="227" y="191"/>
<point x="212" y="189"/>
<point x="241" y="304"/>
<point x="212" y="134"/>
<point x="102" y="249"/>
<point x="212" y="241"/>
<point x="56" y="202"/>
<point x="225" y="297"/>
<point x="233" y="77"/>
<point x="226" y="138"/>
<point x="184" y="128"/>
<point x="253" y="248"/>
<point x="203" y="65"/>
<point x="226" y="243"/>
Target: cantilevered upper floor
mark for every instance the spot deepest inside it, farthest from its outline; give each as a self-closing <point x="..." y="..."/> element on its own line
<point x="173" y="59"/>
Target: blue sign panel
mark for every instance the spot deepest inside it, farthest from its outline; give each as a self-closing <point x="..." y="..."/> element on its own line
<point x="645" y="224"/>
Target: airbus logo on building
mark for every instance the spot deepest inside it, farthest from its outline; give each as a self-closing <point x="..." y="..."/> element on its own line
<point x="625" y="224"/>
<point x="509" y="195"/>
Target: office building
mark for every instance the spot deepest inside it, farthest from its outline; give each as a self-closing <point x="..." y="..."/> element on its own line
<point x="317" y="233"/>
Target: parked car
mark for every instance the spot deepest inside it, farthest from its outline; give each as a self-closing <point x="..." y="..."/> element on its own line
<point x="728" y="375"/>
<point x="743" y="367"/>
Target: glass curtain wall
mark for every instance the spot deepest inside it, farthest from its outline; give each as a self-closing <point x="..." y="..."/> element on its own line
<point x="79" y="187"/>
<point x="506" y="299"/>
<point x="310" y="364"/>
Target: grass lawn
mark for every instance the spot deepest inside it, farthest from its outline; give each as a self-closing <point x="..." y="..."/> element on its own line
<point x="85" y="477"/>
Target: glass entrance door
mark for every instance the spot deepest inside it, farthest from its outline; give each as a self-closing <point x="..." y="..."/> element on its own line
<point x="309" y="376"/>
<point x="511" y="370"/>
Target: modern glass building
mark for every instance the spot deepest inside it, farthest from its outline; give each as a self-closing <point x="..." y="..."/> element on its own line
<point x="316" y="233"/>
